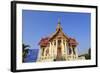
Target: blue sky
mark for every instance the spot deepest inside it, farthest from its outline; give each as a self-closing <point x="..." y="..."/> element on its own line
<point x="38" y="24"/>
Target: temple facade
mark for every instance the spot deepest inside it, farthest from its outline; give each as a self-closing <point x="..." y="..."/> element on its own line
<point x="58" y="47"/>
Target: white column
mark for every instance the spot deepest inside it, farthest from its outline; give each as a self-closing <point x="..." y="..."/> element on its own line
<point x="53" y="49"/>
<point x="39" y="54"/>
<point x="56" y="48"/>
<point x="62" y="48"/>
<point x="66" y="48"/>
<point x="64" y="43"/>
<point x="45" y="52"/>
<point x="76" y="53"/>
<point x="72" y="52"/>
<point x="50" y="49"/>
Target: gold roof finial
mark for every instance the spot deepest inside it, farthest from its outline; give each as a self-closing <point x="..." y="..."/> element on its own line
<point x="59" y="20"/>
<point x="59" y="25"/>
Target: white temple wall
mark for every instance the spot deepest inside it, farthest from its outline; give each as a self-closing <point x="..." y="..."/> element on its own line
<point x="53" y="52"/>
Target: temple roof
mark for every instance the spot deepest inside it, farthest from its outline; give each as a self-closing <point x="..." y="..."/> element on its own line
<point x="72" y="41"/>
<point x="45" y="41"/>
<point x="59" y="25"/>
<point x="58" y="30"/>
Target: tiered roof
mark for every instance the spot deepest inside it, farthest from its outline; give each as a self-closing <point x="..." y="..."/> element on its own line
<point x="45" y="41"/>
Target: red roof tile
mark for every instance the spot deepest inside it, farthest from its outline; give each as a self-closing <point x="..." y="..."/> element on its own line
<point x="72" y="41"/>
<point x="44" y="41"/>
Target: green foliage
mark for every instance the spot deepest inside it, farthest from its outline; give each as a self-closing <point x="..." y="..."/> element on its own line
<point x="24" y="51"/>
<point x="87" y="55"/>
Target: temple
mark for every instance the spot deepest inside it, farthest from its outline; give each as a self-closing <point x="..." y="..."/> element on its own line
<point x="58" y="47"/>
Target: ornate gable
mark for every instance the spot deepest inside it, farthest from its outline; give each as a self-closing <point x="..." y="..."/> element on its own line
<point x="59" y="33"/>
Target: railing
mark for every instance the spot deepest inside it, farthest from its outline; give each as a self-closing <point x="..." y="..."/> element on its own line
<point x="70" y="57"/>
<point x="45" y="57"/>
<point x="65" y="57"/>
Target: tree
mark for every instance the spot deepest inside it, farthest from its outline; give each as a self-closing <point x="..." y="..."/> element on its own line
<point x="24" y="51"/>
<point x="89" y="53"/>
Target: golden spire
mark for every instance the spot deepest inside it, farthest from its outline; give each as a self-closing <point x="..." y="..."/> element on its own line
<point x="59" y="25"/>
<point x="59" y="21"/>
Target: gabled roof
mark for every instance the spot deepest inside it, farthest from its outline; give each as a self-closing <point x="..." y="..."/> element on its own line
<point x="72" y="41"/>
<point x="58" y="29"/>
<point x="54" y="34"/>
<point x="44" y="42"/>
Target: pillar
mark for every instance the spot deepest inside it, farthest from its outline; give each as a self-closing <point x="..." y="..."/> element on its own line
<point x="56" y="48"/>
<point x="72" y="54"/>
<point x="50" y="49"/>
<point x="39" y="55"/>
<point x="53" y="49"/>
<point x="66" y="48"/>
<point x="45" y="51"/>
<point x="76" y="54"/>
<point x="62" y="48"/>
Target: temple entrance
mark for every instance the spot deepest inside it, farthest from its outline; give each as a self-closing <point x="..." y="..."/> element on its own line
<point x="59" y="54"/>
